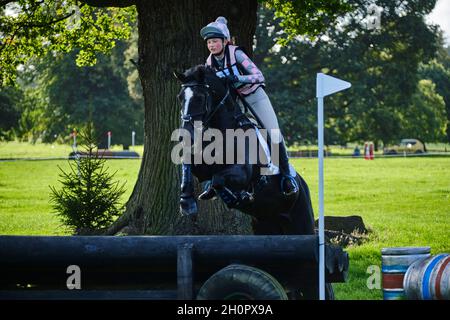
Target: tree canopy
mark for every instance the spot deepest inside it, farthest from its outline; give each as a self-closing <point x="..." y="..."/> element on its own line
<point x="438" y="71"/>
<point x="59" y="97"/>
<point x="382" y="65"/>
<point x="31" y="28"/>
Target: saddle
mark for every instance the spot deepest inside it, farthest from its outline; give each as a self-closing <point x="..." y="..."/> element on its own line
<point x="239" y="199"/>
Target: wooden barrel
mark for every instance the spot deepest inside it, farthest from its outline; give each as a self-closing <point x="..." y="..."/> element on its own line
<point x="428" y="279"/>
<point x="395" y="262"/>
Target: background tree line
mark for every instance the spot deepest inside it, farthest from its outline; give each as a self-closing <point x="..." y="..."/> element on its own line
<point x="55" y="96"/>
<point x="400" y="75"/>
<point x="64" y="64"/>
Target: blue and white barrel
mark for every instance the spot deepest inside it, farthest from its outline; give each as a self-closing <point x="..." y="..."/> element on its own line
<point x="428" y="279"/>
<point x="395" y="263"/>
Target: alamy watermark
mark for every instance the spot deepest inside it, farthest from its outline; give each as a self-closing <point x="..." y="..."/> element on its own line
<point x="374" y="280"/>
<point x="74" y="280"/>
<point x="74" y="20"/>
<point x="235" y="146"/>
<point x="373" y="18"/>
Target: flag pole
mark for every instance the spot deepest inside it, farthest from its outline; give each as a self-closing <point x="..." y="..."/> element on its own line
<point x="325" y="85"/>
<point x="321" y="211"/>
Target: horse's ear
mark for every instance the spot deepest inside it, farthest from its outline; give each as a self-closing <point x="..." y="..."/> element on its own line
<point x="179" y="76"/>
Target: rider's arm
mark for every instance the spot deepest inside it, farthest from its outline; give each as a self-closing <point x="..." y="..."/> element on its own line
<point x="251" y="72"/>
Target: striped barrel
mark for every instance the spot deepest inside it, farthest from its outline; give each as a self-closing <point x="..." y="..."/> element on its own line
<point x="395" y="263"/>
<point x="429" y="279"/>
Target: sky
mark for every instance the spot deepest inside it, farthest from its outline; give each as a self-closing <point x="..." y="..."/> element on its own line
<point x="441" y="16"/>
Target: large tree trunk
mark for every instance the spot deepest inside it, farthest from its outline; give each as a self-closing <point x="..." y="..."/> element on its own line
<point x="169" y="40"/>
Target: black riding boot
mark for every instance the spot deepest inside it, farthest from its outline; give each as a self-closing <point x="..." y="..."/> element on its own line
<point x="289" y="185"/>
<point x="188" y="205"/>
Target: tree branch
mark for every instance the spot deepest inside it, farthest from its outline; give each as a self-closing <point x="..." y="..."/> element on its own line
<point x="42" y="25"/>
<point x="110" y="3"/>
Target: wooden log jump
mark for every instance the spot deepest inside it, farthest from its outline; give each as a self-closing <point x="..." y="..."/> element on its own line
<point x="139" y="266"/>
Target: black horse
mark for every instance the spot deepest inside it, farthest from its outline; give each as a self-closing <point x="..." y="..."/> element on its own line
<point x="208" y="99"/>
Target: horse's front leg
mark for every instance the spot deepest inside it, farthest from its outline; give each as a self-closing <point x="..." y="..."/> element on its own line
<point x="188" y="204"/>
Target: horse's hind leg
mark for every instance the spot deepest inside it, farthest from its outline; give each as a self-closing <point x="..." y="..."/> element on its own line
<point x="302" y="214"/>
<point x="298" y="220"/>
<point x="266" y="227"/>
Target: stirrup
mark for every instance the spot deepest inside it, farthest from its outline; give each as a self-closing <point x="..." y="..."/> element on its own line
<point x="228" y="197"/>
<point x="294" y="185"/>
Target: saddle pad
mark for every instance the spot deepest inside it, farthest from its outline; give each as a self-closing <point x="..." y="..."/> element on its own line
<point x="269" y="169"/>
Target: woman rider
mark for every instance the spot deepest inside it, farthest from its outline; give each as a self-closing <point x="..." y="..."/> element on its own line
<point x="231" y="61"/>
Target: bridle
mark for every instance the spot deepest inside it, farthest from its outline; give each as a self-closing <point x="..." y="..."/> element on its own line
<point x="208" y="112"/>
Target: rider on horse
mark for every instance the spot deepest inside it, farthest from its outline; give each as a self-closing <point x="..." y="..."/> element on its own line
<point x="231" y="62"/>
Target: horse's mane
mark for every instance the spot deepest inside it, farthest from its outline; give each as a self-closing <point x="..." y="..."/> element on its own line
<point x="198" y="73"/>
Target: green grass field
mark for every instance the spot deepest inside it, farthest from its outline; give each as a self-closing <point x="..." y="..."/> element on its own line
<point x="404" y="201"/>
<point x="15" y="149"/>
<point x="349" y="148"/>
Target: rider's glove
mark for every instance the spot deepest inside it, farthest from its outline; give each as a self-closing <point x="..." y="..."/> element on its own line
<point x="232" y="78"/>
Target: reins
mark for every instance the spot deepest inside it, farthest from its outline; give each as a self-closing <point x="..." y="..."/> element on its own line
<point x="188" y="117"/>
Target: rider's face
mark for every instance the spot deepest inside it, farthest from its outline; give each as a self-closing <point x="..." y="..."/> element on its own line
<point x="215" y="45"/>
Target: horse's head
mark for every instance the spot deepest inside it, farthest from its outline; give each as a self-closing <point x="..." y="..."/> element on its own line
<point x="201" y="97"/>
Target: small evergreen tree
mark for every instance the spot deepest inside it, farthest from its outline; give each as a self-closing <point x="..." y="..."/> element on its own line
<point x="89" y="199"/>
